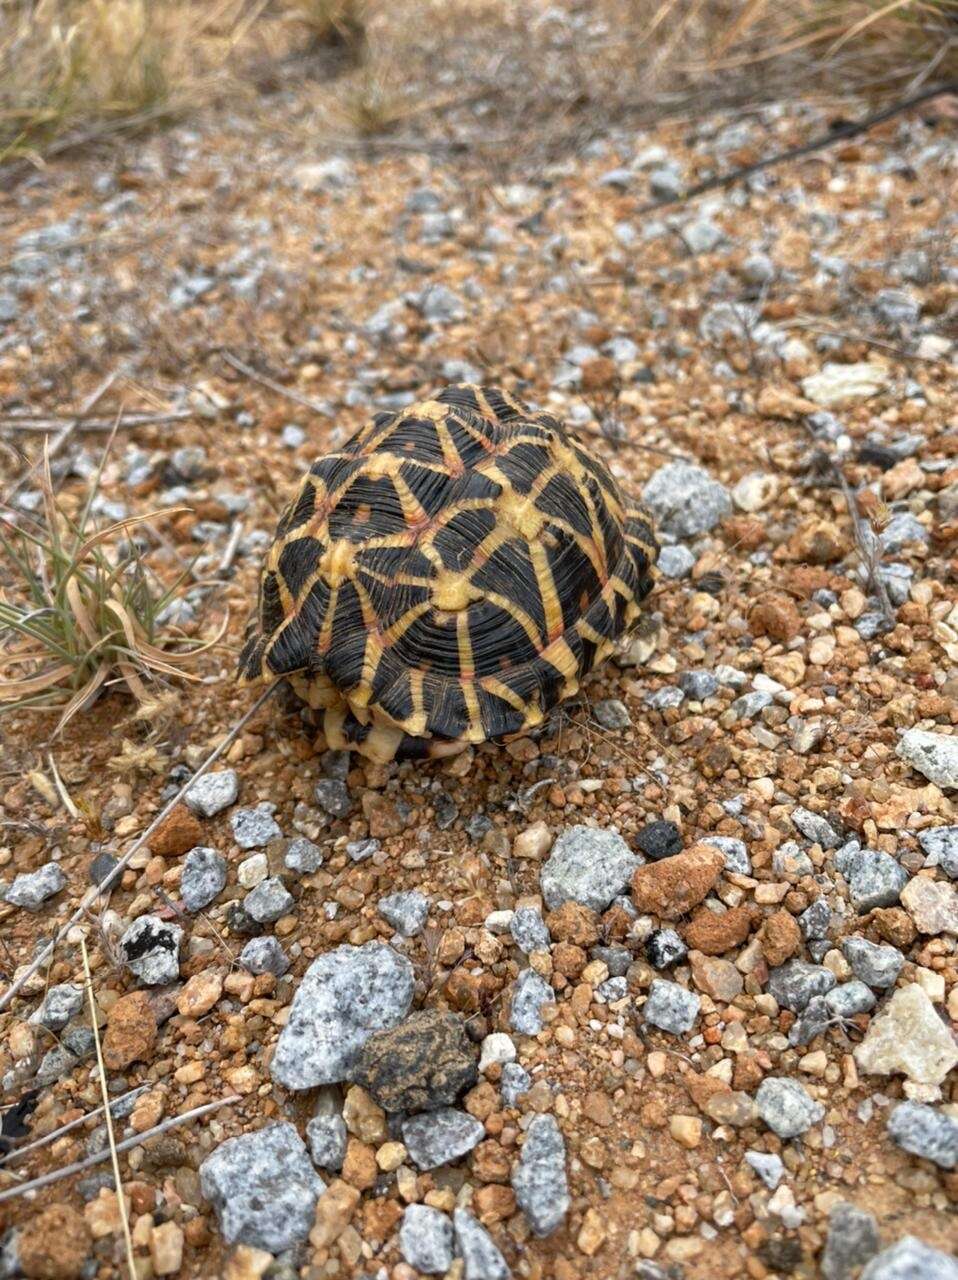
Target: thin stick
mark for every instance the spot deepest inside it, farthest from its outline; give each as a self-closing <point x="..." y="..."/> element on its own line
<point x="62" y="792"/>
<point x="101" y="1068"/>
<point x="60" y="439"/>
<point x="229" y="551"/>
<point x="849" y="130"/>
<point x="90" y="897"/>
<point x="54" y="422"/>
<point x="248" y="372"/>
<point x="18" y="1152"/>
<point x="127" y="1145"/>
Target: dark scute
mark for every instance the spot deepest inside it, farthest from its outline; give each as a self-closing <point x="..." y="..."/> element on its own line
<point x="250" y="662"/>
<point x="600" y="619"/>
<point x="415" y="438"/>
<point x="462" y="397"/>
<point x="390" y="600"/>
<point x="391" y="561"/>
<point x="572" y="573"/>
<point x="398" y="701"/>
<point x="496" y="635"/>
<point x="500" y="406"/>
<point x="335" y="470"/>
<point x="524" y="464"/>
<point x="390" y="674"/>
<point x="298" y="511"/>
<point x="434" y="490"/>
<point x="378" y="493"/>
<point x="587" y="656"/>
<point x="271" y="613"/>
<point x="508" y="572"/>
<point x="457" y="540"/>
<point x="470" y="449"/>
<point x="560" y="498"/>
<point x="430" y="643"/>
<point x="294" y="648"/>
<point x="448" y="714"/>
<point x="347" y="649"/>
<point x="550" y="682"/>
<point x="498" y="717"/>
<point x="298" y="560"/>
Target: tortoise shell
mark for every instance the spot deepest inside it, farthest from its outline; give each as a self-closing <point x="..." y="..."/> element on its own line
<point x="448" y="576"/>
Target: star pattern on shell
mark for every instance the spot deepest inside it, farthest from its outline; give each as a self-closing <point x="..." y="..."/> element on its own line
<point x="448" y="576"/>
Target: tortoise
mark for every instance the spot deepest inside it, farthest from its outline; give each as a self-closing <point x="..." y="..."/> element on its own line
<point x="448" y="576"/>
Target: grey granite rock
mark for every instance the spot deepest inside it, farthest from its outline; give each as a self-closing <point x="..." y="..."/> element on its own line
<point x="344" y="997"/>
<point x="941" y="846"/>
<point x="796" y="982"/>
<point x="303" y="856"/>
<point x="263" y="1187"/>
<point x="850" y="998"/>
<point x="425" y="1239"/>
<point x="528" y="929"/>
<point x="407" y="912"/>
<point x="31" y="889"/>
<point x="480" y="1255"/>
<point x="911" y="1259"/>
<point x="925" y="1131"/>
<point x="59" y="1005"/>
<point x="150" y="949"/>
<point x="852" y="1239"/>
<point x="203" y="877"/>
<point x="587" y="865"/>
<point x="529" y="993"/>
<point x="435" y="1138"/>
<point x="874" y="878"/>
<point x="878" y="966"/>
<point x="264" y="955"/>
<point x="539" y="1176"/>
<point x="327" y="1138"/>
<point x="685" y="499"/>
<point x="786" y="1107"/>
<point x="268" y="901"/>
<point x="671" y="1007"/>
<point x="933" y="754"/>
<point x="212" y="793"/>
<point x="254" y="828"/>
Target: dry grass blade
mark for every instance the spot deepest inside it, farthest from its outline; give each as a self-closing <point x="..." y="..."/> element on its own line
<point x="108" y="1114"/>
<point x="85" y="608"/>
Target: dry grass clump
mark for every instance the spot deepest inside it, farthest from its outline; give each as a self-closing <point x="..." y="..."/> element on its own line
<point x="82" y="609"/>
<point x="82" y="69"/>
<point x="876" y="45"/>
<point x="334" y="24"/>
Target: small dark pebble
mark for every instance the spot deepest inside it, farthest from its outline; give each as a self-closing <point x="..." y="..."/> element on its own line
<point x="659" y="839"/>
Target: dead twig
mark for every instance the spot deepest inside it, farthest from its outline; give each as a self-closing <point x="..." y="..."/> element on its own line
<point x="297" y="398"/>
<point x="850" y="129"/>
<point x="18" y="1152"/>
<point x="56" y="1175"/>
<point x="90" y="897"/>
<point x="55" y="422"/>
<point x="108" y="1116"/>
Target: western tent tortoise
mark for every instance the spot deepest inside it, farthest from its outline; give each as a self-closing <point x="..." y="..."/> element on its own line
<point x="448" y="576"/>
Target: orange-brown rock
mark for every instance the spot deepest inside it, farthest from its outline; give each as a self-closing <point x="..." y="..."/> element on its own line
<point x="776" y="616"/>
<point x="179" y="832"/>
<point x="670" y="888"/>
<point x="54" y="1244"/>
<point x="713" y="932"/>
<point x="780" y="937"/>
<point x="130" y="1031"/>
<point x="573" y="922"/>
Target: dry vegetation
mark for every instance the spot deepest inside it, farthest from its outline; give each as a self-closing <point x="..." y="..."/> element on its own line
<point x="75" y="71"/>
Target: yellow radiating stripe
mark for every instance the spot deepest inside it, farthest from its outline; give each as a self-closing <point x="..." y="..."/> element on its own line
<point x="325" y="635"/>
<point x="451" y="456"/>
<point x="500" y="690"/>
<point x="413" y="510"/>
<point x="417" y="721"/>
<point x="547" y="590"/>
<point x="402" y="624"/>
<point x="467" y="674"/>
<point x="524" y="620"/>
<point x="559" y="655"/>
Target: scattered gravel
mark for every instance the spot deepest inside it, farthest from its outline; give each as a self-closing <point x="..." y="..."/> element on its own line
<point x="685" y="500"/>
<point x="786" y="1106"/>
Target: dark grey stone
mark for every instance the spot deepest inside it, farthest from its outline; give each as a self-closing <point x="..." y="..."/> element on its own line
<point x="671" y="1007"/>
<point x="926" y="1132"/>
<point x="796" y="982"/>
<point x="425" y="1239"/>
<point x="202" y="878"/>
<point x="852" y="1240"/>
<point x="786" y="1107"/>
<point x="878" y="966"/>
<point x="539" y="1176"/>
<point x="435" y="1138"/>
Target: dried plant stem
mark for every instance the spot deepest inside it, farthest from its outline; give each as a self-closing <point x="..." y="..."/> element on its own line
<point x="90" y="897"/>
<point x="127" y="1145"/>
<point x="101" y="1068"/>
<point x="65" y="431"/>
<point x="19" y="1152"/>
<point x="248" y="372"/>
<point x="850" y="130"/>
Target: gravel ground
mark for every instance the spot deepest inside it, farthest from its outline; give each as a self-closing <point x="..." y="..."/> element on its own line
<point x="695" y="941"/>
